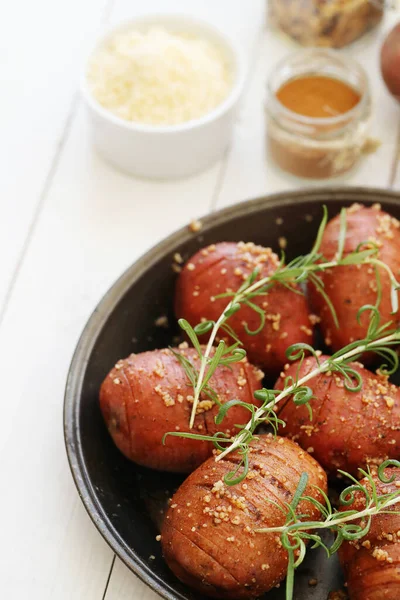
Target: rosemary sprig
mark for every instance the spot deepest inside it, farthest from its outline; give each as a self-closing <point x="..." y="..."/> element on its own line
<point x="295" y="272"/>
<point x="300" y="529"/>
<point x="395" y="285"/>
<point x="380" y="339"/>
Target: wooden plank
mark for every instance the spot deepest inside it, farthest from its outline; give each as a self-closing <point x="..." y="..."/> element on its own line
<point x="250" y="172"/>
<point x="396" y="165"/>
<point x="376" y="169"/>
<point x="41" y="46"/>
<point x="94" y="223"/>
<point x="124" y="585"/>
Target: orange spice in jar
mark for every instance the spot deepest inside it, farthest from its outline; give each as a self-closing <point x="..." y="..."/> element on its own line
<point x="318" y="96"/>
<point x="318" y="113"/>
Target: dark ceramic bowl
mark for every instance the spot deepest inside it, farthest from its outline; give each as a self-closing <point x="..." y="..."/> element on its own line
<point x="125" y="501"/>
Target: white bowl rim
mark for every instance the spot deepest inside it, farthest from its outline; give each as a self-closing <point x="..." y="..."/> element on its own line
<point x="154" y="18"/>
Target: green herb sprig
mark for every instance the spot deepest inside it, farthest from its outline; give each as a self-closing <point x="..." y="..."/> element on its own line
<point x="379" y="339"/>
<point x="302" y="268"/>
<point x="299" y="529"/>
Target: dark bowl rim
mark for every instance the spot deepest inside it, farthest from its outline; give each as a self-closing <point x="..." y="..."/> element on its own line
<point x="106" y="306"/>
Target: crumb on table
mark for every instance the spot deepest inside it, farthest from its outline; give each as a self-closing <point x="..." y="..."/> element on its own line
<point x="195" y="225"/>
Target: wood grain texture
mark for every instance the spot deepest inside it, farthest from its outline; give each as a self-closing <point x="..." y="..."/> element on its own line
<point x="70" y="224"/>
<point x="94" y="223"/>
<point x="396" y="161"/>
<point x="41" y="45"/>
<point x="124" y="585"/>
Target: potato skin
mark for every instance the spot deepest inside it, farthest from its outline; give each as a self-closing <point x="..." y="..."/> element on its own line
<point x="145" y="396"/>
<point x="224" y="266"/>
<point x="350" y="287"/>
<point x="390" y="61"/>
<point x="348" y="429"/>
<point x="372" y="565"/>
<point x="208" y="537"/>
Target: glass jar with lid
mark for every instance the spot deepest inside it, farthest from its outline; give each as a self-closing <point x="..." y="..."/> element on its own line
<point x="328" y="23"/>
<point x="312" y="140"/>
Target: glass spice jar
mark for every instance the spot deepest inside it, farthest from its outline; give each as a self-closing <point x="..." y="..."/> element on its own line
<point x="317" y="147"/>
<point x="328" y="23"/>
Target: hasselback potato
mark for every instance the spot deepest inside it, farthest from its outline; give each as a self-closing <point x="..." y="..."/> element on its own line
<point x="348" y="429"/>
<point x="223" y="267"/>
<point x="149" y="394"/>
<point x="209" y="537"/>
<point x="350" y="287"/>
<point x="372" y="564"/>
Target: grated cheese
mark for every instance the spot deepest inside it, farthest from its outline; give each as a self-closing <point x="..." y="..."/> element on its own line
<point x="157" y="77"/>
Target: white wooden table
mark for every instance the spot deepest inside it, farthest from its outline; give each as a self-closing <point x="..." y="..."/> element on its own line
<point x="69" y="225"/>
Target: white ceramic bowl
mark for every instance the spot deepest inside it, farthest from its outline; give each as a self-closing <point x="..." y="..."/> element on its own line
<point x="167" y="152"/>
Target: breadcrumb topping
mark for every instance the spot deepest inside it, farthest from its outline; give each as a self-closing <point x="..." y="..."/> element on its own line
<point x="195" y="225"/>
<point x="165" y="395"/>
